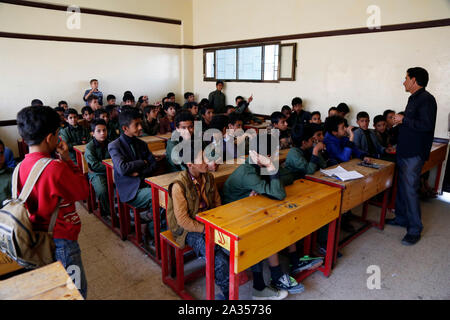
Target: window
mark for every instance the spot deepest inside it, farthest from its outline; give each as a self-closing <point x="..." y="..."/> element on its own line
<point x="253" y="63"/>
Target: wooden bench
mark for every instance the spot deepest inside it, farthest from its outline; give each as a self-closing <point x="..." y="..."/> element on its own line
<point x="176" y="284"/>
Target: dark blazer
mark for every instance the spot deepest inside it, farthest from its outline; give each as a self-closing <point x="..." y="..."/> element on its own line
<point x="416" y="134"/>
<point x="126" y="163"/>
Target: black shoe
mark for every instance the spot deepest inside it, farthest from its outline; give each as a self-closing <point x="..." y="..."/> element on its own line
<point x="393" y="222"/>
<point x="410" y="240"/>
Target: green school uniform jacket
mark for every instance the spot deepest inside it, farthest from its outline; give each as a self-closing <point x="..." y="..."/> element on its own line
<point x="299" y="166"/>
<point x="95" y="153"/>
<point x="247" y="178"/>
<point x="5" y="184"/>
<point x="217" y="99"/>
<point x="113" y="130"/>
<point x="75" y="137"/>
<point x="150" y="128"/>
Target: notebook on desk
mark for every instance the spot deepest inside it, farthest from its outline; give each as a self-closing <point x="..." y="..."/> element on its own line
<point x="342" y="174"/>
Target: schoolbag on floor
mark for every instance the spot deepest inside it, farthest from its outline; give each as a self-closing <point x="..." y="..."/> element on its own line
<point x="30" y="249"/>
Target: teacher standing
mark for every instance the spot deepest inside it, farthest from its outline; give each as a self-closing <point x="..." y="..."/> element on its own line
<point x="416" y="134"/>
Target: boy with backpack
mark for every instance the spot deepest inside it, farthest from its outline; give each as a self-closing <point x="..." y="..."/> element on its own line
<point x="39" y="128"/>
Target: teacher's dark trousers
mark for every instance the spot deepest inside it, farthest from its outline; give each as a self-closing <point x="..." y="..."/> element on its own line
<point x="407" y="203"/>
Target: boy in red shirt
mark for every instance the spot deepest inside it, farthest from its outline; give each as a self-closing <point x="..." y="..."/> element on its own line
<point x="39" y="128"/>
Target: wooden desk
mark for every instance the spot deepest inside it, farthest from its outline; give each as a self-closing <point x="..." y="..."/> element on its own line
<point x="360" y="191"/>
<point x="165" y="136"/>
<point x="257" y="127"/>
<point x="155" y="143"/>
<point x="81" y="161"/>
<point x="7" y="265"/>
<point x="437" y="157"/>
<point x="47" y="283"/>
<point x="255" y="228"/>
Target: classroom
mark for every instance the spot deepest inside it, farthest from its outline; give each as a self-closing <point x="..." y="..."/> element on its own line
<point x="224" y="150"/>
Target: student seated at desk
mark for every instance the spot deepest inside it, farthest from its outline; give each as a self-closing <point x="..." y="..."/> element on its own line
<point x="94" y="103"/>
<point x="60" y="185"/>
<point x="304" y="157"/>
<point x="96" y="152"/>
<point x="112" y="130"/>
<point x="167" y="124"/>
<point x="315" y="117"/>
<point x="278" y="121"/>
<point x="339" y="141"/>
<point x="150" y="124"/>
<point x="88" y="115"/>
<point x="61" y="111"/>
<point x="298" y="114"/>
<point x="247" y="180"/>
<point x="287" y="111"/>
<point x="391" y="128"/>
<point x="207" y="115"/>
<point x="247" y="116"/>
<point x="230" y="109"/>
<point x="184" y="122"/>
<point x="188" y="97"/>
<point x="366" y="140"/>
<point x="332" y="112"/>
<point x="133" y="162"/>
<point x="74" y="134"/>
<point x="379" y="125"/>
<point x="5" y="176"/>
<point x="194" y="191"/>
<point x="193" y="108"/>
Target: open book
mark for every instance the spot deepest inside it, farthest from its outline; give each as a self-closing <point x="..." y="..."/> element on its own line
<point x="342" y="174"/>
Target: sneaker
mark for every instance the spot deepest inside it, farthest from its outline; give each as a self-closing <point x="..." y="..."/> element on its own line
<point x="269" y="294"/>
<point x="286" y="282"/>
<point x="410" y="239"/>
<point x="306" y="263"/>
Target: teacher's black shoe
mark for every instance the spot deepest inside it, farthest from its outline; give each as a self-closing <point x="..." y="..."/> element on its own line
<point x="410" y="240"/>
<point x="393" y="222"/>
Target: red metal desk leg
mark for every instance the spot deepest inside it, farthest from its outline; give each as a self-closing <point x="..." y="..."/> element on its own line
<point x="234" y="278"/>
<point x="438" y="177"/>
<point x="307" y="245"/>
<point x="336" y="241"/>
<point x="209" y="255"/>
<point x="110" y="183"/>
<point x="329" y="258"/>
<point x="383" y="210"/>
<point x="156" y="218"/>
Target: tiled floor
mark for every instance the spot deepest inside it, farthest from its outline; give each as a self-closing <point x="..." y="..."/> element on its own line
<point x="118" y="270"/>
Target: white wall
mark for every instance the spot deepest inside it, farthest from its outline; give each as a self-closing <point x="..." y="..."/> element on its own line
<point x="54" y="71"/>
<point x="366" y="71"/>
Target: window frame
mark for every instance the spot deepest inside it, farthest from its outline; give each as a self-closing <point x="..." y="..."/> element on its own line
<point x="294" y="61"/>
<point x="237" y="47"/>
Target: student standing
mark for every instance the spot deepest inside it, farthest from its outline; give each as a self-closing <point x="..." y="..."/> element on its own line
<point x="217" y="99"/>
<point x="60" y="184"/>
<point x="94" y="91"/>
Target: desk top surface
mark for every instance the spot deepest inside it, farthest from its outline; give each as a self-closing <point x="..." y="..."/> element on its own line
<point x="243" y="216"/>
<point x="353" y="165"/>
<point x="47" y="283"/>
